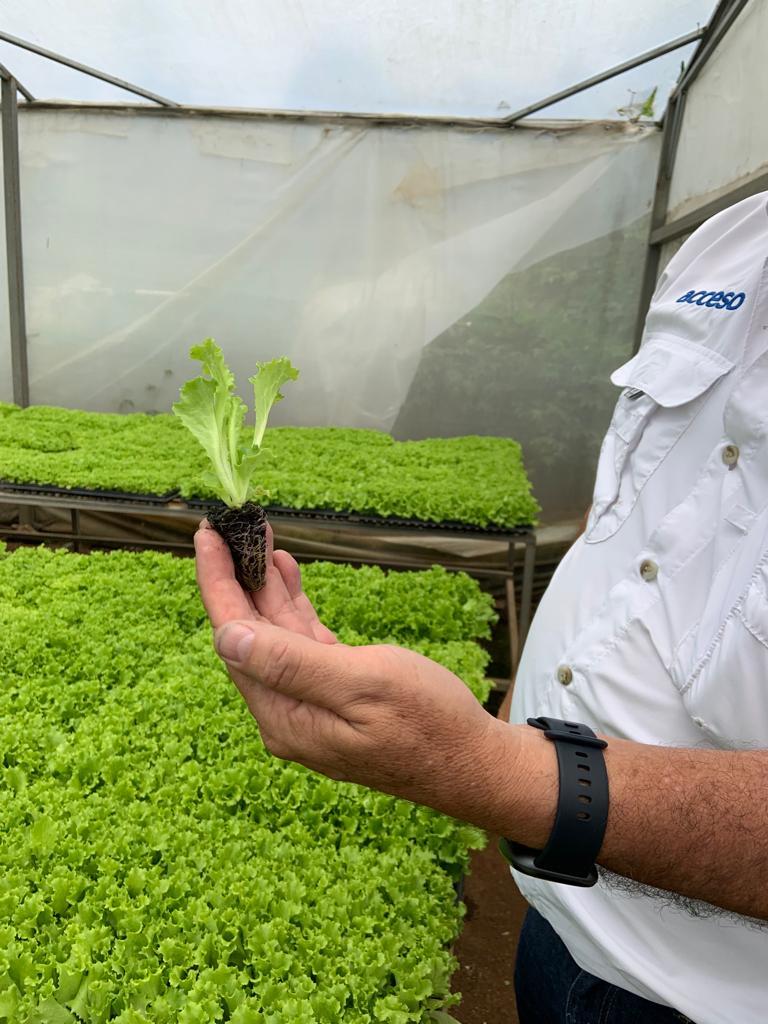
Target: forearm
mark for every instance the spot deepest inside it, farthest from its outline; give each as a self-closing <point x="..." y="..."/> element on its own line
<point x="693" y="822"/>
<point x="690" y="821"/>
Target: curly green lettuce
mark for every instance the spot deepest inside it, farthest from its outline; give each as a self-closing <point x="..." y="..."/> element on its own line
<point x="214" y="415"/>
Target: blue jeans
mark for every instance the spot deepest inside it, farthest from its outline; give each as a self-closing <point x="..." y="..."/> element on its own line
<point x="552" y="989"/>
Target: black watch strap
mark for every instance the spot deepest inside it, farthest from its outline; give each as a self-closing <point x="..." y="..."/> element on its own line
<point x="582" y="809"/>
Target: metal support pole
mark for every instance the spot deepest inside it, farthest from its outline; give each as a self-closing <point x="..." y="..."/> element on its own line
<point x="604" y="76"/>
<point x="13" y="243"/>
<point x="672" y="230"/>
<point x="722" y="20"/>
<point x="86" y="69"/>
<point x="5" y="73"/>
<point x="75" y="517"/>
<point x="512" y="622"/>
<point x="526" y="599"/>
<point x="725" y="15"/>
<point x="672" y="123"/>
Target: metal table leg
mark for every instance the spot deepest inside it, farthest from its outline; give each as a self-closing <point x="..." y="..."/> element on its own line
<point x="75" y="516"/>
<point x="529" y="565"/>
<point x="514" y="630"/>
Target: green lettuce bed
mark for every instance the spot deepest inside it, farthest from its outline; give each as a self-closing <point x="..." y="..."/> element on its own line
<point x="478" y="481"/>
<point x="156" y="864"/>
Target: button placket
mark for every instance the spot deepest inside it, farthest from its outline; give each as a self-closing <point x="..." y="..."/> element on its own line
<point x="564" y="675"/>
<point x="730" y="455"/>
<point x="649" y="570"/>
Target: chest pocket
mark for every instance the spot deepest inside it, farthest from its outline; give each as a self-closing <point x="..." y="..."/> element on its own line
<point x="728" y="694"/>
<point x="665" y="386"/>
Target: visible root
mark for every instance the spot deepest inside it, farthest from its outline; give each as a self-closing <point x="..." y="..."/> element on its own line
<point x="245" y="531"/>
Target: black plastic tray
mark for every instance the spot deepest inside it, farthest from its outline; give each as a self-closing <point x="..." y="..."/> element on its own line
<point x="370" y="519"/>
<point x="203" y="505"/>
<point x="51" y="491"/>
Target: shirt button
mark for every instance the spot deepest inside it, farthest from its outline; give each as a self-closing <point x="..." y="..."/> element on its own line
<point x="731" y="454"/>
<point x="564" y="675"/>
<point x="649" y="570"/>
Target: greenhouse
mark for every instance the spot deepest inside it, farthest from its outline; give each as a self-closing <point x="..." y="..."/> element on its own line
<point x="448" y="323"/>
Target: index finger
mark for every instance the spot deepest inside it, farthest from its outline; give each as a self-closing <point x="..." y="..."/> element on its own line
<point x="223" y="597"/>
<point x="290" y="572"/>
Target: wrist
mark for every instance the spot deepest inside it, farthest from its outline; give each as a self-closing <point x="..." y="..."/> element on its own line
<point x="525" y="786"/>
<point x="506" y="783"/>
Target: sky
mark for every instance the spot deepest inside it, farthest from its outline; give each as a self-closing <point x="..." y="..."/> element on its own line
<point x="467" y="58"/>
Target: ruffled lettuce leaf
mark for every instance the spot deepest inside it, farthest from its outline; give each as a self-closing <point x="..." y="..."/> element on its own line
<point x="214" y="415"/>
<point x="266" y="391"/>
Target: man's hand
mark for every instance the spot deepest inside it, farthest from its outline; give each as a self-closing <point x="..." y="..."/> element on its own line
<point x="378" y="715"/>
<point x="688" y="821"/>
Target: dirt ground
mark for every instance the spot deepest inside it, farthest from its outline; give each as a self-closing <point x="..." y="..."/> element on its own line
<point x="486" y="947"/>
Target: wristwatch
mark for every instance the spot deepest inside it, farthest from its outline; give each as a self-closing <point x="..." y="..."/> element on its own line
<point x="582" y="809"/>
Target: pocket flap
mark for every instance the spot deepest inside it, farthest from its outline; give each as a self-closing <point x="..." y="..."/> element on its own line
<point x="672" y="372"/>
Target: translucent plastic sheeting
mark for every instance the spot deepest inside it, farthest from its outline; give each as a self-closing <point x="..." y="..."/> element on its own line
<point x="724" y="135"/>
<point x="428" y="282"/>
<point x="476" y="58"/>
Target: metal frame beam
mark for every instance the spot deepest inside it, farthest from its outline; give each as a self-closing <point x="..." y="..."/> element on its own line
<point x="660" y="231"/>
<point x="86" y="69"/>
<point x="690" y="221"/>
<point x="13" y="242"/>
<point x="722" y="20"/>
<point x="5" y="73"/>
<point x="604" y="76"/>
<point x="327" y="117"/>
<point x="509" y="121"/>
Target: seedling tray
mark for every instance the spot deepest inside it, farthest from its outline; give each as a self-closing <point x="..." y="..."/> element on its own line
<point x="50" y="491"/>
<point x="371" y="519"/>
<point x="204" y="505"/>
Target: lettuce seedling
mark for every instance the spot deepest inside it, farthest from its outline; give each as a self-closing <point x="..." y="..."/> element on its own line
<point x="214" y="415"/>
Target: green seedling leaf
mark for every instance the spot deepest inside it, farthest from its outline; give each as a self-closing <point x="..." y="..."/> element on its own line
<point x="214" y="415"/>
<point x="266" y="391"/>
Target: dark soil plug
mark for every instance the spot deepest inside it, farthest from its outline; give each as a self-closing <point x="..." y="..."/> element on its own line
<point x="245" y="531"/>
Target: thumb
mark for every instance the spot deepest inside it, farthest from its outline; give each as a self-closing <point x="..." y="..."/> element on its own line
<point x="233" y="641"/>
<point x="329" y="675"/>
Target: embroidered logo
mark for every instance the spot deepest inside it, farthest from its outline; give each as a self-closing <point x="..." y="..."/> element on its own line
<point x="714" y="300"/>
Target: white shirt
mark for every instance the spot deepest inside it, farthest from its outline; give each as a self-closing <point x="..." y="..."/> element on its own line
<point x="677" y="654"/>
